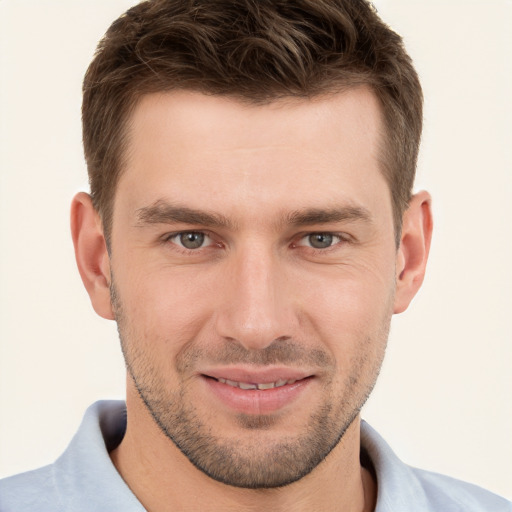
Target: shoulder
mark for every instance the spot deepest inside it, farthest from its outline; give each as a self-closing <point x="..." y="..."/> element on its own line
<point x="451" y="495"/>
<point x="83" y="478"/>
<point x="30" y="492"/>
<point x="402" y="488"/>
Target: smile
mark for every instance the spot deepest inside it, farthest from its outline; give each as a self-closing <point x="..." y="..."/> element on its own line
<point x="257" y="394"/>
<point x="261" y="386"/>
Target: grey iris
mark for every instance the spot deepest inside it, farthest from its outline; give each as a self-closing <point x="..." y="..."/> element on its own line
<point x="320" y="240"/>
<point x="192" y="240"/>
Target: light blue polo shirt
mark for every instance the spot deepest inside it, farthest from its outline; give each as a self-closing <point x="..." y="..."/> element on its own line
<point x="84" y="479"/>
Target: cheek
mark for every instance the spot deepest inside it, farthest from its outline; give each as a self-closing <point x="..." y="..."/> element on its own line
<point x="348" y="308"/>
<point x="164" y="309"/>
<point x="352" y="322"/>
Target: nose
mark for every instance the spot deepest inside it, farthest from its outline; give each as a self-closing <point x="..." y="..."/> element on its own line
<point x="255" y="307"/>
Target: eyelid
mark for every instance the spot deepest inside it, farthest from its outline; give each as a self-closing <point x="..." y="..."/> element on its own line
<point x="341" y="239"/>
<point x="170" y="237"/>
<point x="340" y="236"/>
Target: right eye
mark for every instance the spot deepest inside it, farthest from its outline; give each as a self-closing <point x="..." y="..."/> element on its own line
<point x="190" y="240"/>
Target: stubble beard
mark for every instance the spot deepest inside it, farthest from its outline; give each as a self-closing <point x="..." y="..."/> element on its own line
<point x="251" y="464"/>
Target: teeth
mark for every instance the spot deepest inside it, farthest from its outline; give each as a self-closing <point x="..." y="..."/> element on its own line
<point x="262" y="386"/>
<point x="245" y="385"/>
<point x="270" y="385"/>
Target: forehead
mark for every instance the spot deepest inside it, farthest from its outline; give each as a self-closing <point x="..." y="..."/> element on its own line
<point x="230" y="123"/>
<point x="221" y="152"/>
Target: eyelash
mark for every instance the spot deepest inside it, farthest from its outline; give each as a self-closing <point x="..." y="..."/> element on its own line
<point x="343" y="239"/>
<point x="169" y="237"/>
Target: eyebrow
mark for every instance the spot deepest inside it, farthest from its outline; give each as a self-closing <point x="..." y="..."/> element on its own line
<point x="311" y="216"/>
<point x="162" y="212"/>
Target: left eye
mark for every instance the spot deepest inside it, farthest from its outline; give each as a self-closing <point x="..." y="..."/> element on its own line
<point x="320" y="240"/>
<point x="191" y="240"/>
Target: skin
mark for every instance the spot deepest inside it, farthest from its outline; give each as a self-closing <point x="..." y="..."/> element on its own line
<point x="256" y="187"/>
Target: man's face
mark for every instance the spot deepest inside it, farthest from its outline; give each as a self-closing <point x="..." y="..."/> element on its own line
<point x="253" y="267"/>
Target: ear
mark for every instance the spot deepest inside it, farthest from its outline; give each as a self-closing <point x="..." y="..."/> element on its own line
<point x="412" y="255"/>
<point x="91" y="253"/>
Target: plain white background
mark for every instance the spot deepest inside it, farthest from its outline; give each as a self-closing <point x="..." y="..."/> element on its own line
<point x="443" y="400"/>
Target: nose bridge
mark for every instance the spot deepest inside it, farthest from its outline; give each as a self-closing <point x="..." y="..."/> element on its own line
<point x="256" y="308"/>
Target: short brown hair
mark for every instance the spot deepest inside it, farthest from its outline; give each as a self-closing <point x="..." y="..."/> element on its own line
<point x="253" y="50"/>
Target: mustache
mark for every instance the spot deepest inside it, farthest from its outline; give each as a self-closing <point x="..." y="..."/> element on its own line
<point x="280" y="351"/>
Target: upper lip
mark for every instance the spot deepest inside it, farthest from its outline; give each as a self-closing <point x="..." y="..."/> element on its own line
<point x="256" y="375"/>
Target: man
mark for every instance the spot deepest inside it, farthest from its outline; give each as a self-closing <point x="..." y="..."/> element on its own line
<point x="251" y="228"/>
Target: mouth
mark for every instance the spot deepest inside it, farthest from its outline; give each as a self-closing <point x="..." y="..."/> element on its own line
<point x="257" y="393"/>
<point x="262" y="386"/>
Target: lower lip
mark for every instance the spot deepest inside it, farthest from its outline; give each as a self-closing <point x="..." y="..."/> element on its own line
<point x="255" y="401"/>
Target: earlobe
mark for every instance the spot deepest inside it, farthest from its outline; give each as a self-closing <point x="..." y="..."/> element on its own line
<point x="413" y="252"/>
<point x="91" y="253"/>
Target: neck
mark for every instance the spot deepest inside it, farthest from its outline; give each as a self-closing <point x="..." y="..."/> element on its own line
<point x="163" y="479"/>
